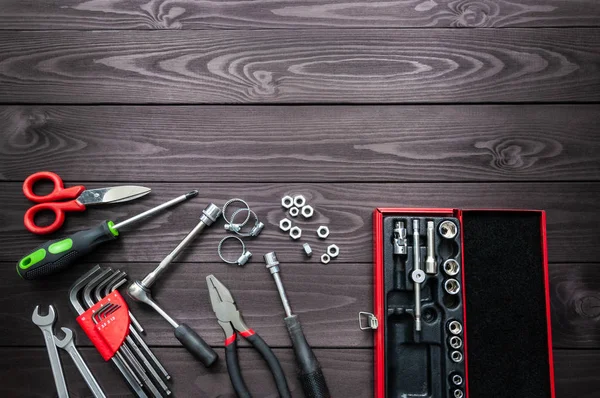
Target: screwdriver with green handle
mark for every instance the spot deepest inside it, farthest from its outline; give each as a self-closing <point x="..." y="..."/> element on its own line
<point x="56" y="255"/>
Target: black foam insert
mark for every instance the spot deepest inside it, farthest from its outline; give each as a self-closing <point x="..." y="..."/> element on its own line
<point x="505" y="305"/>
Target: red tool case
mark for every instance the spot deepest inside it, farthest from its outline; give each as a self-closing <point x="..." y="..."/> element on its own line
<point x="505" y="309"/>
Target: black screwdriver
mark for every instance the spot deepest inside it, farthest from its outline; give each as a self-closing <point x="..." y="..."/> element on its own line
<point x="309" y="370"/>
<point x="56" y="255"/>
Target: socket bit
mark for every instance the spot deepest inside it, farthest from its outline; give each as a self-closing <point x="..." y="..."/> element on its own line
<point x="400" y="243"/>
<point x="430" y="263"/>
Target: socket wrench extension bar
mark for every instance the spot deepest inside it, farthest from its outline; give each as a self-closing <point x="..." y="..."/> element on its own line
<point x="417" y="275"/>
<point x="309" y="370"/>
<point x="140" y="291"/>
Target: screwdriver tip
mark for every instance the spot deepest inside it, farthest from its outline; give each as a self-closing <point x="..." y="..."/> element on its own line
<point x="191" y="194"/>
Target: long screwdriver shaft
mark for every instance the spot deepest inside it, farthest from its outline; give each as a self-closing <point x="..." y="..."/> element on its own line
<point x="155" y="210"/>
<point x="310" y="373"/>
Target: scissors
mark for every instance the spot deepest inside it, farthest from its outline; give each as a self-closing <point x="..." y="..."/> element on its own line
<point x="79" y="195"/>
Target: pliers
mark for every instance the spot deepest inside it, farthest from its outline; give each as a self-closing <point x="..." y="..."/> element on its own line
<point x="231" y="320"/>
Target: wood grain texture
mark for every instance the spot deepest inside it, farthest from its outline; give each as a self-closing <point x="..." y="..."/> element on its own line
<point x="348" y="373"/>
<point x="346" y="208"/>
<point x="575" y="298"/>
<point x="187" y="14"/>
<point x="299" y="66"/>
<point x="303" y="143"/>
<point x="327" y="299"/>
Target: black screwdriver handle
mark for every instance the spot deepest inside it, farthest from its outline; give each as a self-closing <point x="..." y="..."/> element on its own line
<point x="196" y="345"/>
<point x="56" y="255"/>
<point x="309" y="370"/>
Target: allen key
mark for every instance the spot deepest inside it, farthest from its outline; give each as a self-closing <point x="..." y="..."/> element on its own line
<point x="124" y="350"/>
<point x="100" y="288"/>
<point x="116" y="360"/>
<point x="138" y="337"/>
<point x="112" y="287"/>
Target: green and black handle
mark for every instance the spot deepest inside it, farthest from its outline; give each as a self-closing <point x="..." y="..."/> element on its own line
<point x="56" y="255"/>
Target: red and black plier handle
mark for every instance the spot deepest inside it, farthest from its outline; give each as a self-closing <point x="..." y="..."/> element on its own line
<point x="233" y="365"/>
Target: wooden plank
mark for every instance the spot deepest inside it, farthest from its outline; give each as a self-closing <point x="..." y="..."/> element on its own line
<point x="346" y="208"/>
<point x="303" y="143"/>
<point x="327" y="299"/>
<point x="348" y="373"/>
<point x="575" y="294"/>
<point x="273" y="66"/>
<point x="187" y="14"/>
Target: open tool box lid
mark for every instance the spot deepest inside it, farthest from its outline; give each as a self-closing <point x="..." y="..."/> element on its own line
<point x="506" y="311"/>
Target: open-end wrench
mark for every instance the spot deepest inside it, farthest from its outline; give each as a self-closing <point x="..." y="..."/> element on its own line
<point x="68" y="345"/>
<point x="116" y="360"/>
<point x="45" y="324"/>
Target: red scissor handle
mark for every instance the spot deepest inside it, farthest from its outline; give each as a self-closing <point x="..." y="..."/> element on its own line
<point x="58" y="193"/>
<point x="49" y="202"/>
<point x="58" y="208"/>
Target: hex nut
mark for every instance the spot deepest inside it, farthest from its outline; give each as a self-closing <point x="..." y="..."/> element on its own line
<point x="333" y="251"/>
<point x="325" y="259"/>
<point x="307" y="250"/>
<point x="285" y="224"/>
<point x="295" y="233"/>
<point x="307" y="211"/>
<point x="294" y="211"/>
<point x="299" y="200"/>
<point x="323" y="232"/>
<point x="287" y="201"/>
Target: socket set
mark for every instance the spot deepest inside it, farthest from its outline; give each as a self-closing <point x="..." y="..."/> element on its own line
<point x="461" y="304"/>
<point x="424" y="306"/>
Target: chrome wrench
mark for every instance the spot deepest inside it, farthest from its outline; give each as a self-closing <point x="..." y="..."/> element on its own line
<point x="68" y="345"/>
<point x="45" y="324"/>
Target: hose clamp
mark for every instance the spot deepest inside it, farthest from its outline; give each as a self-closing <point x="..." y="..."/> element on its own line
<point x="229" y="225"/>
<point x="256" y="229"/>
<point x="242" y="260"/>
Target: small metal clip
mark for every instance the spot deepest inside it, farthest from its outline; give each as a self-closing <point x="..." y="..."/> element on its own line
<point x="233" y="227"/>
<point x="257" y="228"/>
<point x="244" y="258"/>
<point x="372" y="322"/>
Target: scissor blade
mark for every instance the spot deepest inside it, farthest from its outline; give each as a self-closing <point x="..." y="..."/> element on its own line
<point x="117" y="194"/>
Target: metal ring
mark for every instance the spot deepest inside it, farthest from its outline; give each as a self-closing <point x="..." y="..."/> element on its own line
<point x="221" y="244"/>
<point x="250" y="212"/>
<point x="230" y="201"/>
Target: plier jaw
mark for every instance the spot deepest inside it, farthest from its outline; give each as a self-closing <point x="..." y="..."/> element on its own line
<point x="225" y="309"/>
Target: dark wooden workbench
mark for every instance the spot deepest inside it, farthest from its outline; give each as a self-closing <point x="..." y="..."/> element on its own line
<point x="355" y="104"/>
